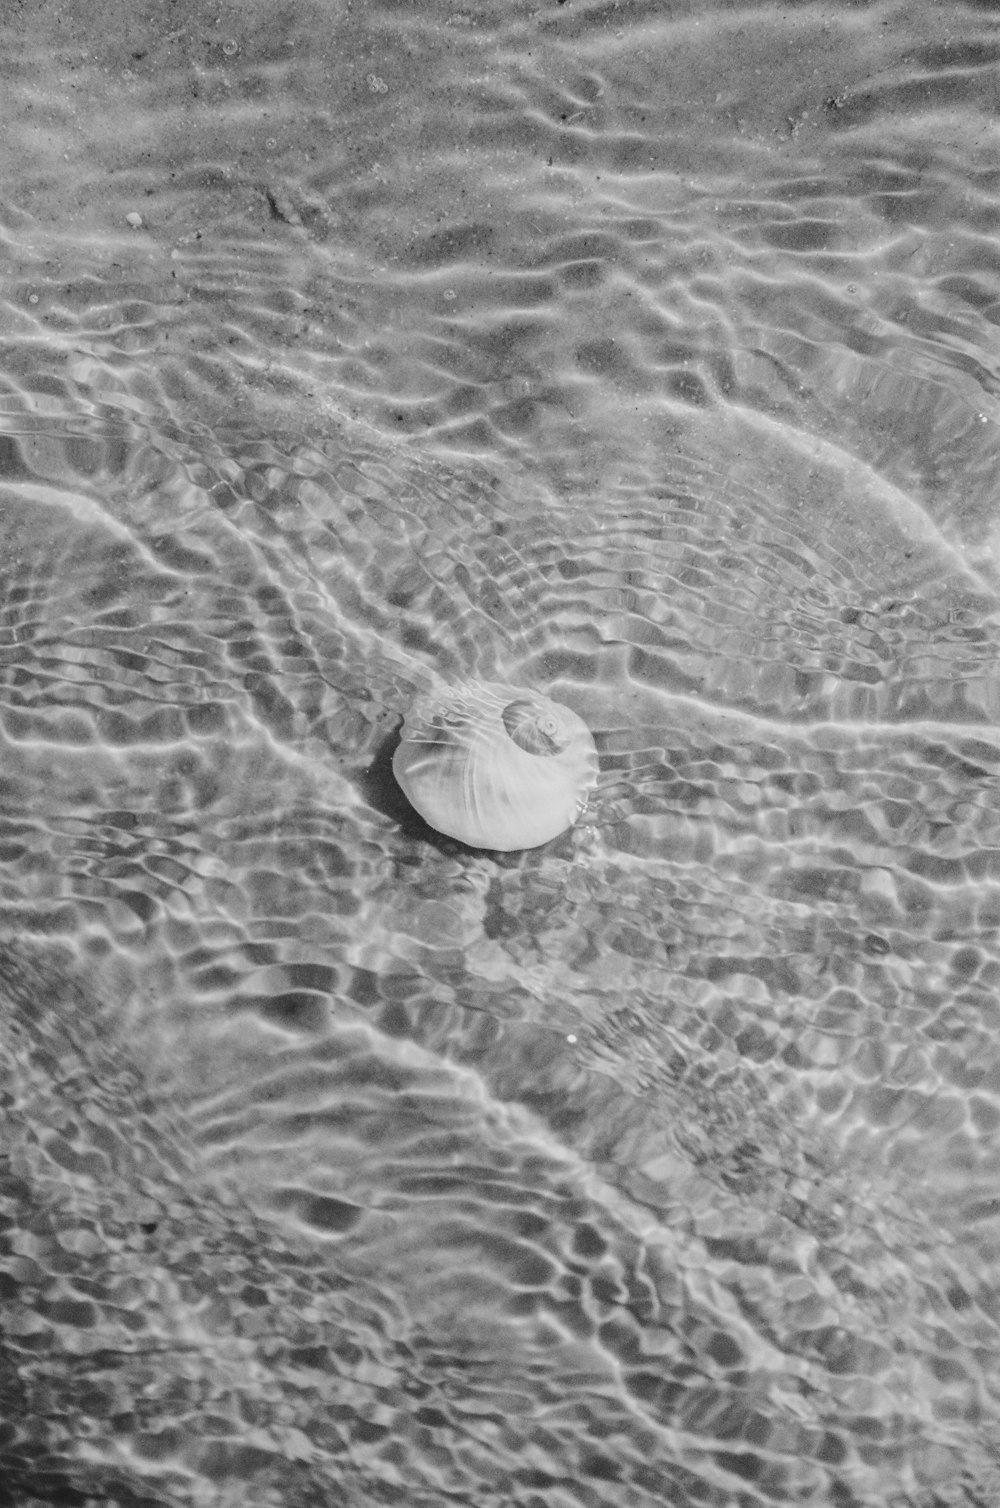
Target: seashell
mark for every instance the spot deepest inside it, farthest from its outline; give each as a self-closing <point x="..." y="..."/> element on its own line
<point x="495" y="766"/>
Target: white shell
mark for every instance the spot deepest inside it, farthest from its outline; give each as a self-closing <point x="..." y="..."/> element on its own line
<point x="495" y="766"/>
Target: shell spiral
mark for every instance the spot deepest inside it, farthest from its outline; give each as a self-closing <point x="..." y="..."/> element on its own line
<point x="495" y="766"/>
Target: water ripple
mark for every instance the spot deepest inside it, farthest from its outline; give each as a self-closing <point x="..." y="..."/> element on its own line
<point x="346" y="357"/>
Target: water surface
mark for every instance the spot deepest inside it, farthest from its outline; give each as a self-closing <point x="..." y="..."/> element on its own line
<point x="642" y="355"/>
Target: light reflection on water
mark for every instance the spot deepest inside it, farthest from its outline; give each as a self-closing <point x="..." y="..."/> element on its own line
<point x="657" y="1165"/>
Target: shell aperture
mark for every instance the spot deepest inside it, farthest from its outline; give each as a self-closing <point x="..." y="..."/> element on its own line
<point x="495" y="766"/>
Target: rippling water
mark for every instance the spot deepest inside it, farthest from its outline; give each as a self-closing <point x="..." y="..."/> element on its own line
<point x="645" y="355"/>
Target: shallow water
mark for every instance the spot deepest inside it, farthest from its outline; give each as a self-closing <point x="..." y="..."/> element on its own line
<point x="646" y="359"/>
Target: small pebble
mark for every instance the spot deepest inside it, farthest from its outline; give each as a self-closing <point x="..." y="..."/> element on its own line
<point x="134" y="219"/>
